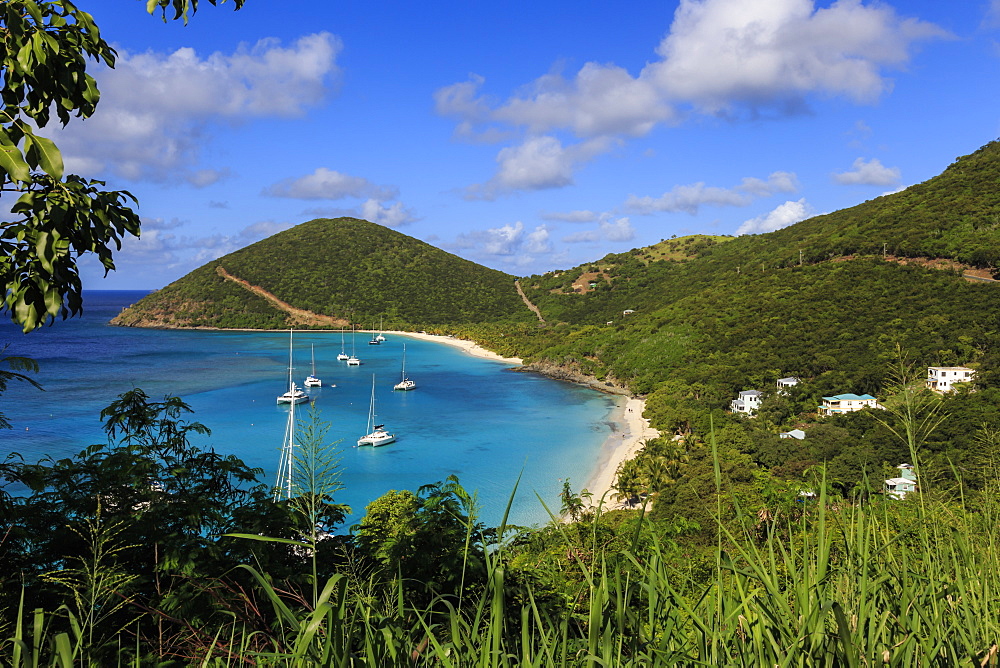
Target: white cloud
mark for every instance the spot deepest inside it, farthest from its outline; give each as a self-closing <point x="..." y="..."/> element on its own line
<point x="539" y="163"/>
<point x="721" y="53"/>
<point x="510" y="241"/>
<point x="690" y="198"/>
<point x="537" y="241"/>
<point x="992" y="19"/>
<point x="586" y="236"/>
<point x="781" y="216"/>
<point x="871" y="173"/>
<point x="608" y="230"/>
<point x="157" y="109"/>
<point x="390" y="216"/>
<point x="330" y="184"/>
<point x="718" y="57"/>
<point x="161" y="247"/>
<point x="619" y="230"/>
<point x="571" y="216"/>
<point x="206" y="177"/>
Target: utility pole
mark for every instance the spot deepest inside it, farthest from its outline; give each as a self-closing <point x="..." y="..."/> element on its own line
<point x="800" y="257"/>
<point x="884" y="248"/>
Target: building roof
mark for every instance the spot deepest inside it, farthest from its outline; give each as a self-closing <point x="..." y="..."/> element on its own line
<point x="950" y="368"/>
<point x="795" y="433"/>
<point x="851" y="397"/>
<point x="900" y="481"/>
<point x="751" y="393"/>
<point x="790" y="379"/>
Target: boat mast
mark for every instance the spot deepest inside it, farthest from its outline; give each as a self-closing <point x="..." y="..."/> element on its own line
<point x="371" y="411"/>
<point x="283" y="485"/>
<point x="290" y="359"/>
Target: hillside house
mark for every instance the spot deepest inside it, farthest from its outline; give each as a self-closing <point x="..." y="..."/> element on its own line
<point x="747" y="402"/>
<point x="943" y="378"/>
<point x="628" y="311"/>
<point x="847" y="403"/>
<point x="795" y="433"/>
<point x="898" y="488"/>
<point x="784" y="384"/>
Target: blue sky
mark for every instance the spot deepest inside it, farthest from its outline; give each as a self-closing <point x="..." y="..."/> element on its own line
<point x="524" y="138"/>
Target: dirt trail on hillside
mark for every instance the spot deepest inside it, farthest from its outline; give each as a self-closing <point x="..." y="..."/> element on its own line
<point x="527" y="302"/>
<point x="298" y="316"/>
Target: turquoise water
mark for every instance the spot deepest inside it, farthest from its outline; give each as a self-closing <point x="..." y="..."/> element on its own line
<point x="469" y="416"/>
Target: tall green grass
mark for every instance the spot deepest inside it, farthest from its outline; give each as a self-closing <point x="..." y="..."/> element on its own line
<point x="844" y="585"/>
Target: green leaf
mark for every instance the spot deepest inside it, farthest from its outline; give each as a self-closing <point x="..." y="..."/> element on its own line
<point x="268" y="539"/>
<point x="44" y="153"/>
<point x="11" y="160"/>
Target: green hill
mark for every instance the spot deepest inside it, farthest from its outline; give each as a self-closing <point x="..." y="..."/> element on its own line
<point x="744" y="311"/>
<point x="336" y="271"/>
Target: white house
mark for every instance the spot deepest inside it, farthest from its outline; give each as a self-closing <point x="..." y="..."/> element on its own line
<point x="898" y="488"/>
<point x="795" y="433"/>
<point x="747" y="402"/>
<point x="785" y="383"/>
<point x="847" y="403"/>
<point x="943" y="378"/>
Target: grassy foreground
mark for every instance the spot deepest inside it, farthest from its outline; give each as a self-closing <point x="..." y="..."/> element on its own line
<point x="830" y="583"/>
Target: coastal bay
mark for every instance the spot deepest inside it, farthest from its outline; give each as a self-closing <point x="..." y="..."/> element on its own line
<point x="469" y="417"/>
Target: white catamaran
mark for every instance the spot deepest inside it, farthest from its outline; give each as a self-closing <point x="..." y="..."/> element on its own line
<point x="342" y="357"/>
<point x="353" y="359"/>
<point x="404" y="382"/>
<point x="377" y="435"/>
<point x="311" y="379"/>
<point x="294" y="395"/>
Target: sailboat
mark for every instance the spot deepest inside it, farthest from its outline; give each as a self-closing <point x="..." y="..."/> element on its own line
<point x="380" y="338"/>
<point x="342" y="357"/>
<point x="376" y="435"/>
<point x="404" y="382"/>
<point x="374" y="341"/>
<point x="353" y="359"/>
<point x="283" y="484"/>
<point x="294" y="395"/>
<point x="311" y="379"/>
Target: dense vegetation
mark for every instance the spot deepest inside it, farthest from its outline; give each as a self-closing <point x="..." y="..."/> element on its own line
<point x="728" y="545"/>
<point x="148" y="551"/>
<point x="348" y="269"/>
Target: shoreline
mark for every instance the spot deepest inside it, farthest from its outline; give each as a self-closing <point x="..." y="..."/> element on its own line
<point x="620" y="446"/>
<point x="471" y="347"/>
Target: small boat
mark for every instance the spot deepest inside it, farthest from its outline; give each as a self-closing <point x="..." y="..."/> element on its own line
<point x="380" y="338"/>
<point x="374" y="341"/>
<point x="353" y="359"/>
<point x="377" y="435"/>
<point x="342" y="357"/>
<point x="294" y="395"/>
<point x="404" y="382"/>
<point x="311" y="379"/>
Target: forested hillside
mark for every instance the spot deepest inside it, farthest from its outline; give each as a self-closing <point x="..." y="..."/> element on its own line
<point x="349" y="270"/>
<point x="827" y="299"/>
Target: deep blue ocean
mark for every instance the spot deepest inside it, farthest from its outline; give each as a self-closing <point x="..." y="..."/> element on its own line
<point x="469" y="416"/>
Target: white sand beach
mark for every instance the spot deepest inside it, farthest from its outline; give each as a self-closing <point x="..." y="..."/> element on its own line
<point x="619" y="447"/>
<point x="468" y="346"/>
